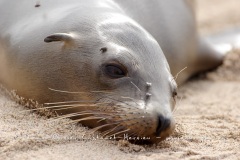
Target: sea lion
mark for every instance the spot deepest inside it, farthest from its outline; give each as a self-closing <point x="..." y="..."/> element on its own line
<point x="102" y="62"/>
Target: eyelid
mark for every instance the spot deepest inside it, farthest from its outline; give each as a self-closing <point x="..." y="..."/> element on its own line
<point x="117" y="65"/>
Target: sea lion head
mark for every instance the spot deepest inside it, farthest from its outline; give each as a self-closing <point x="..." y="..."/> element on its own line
<point x="117" y="76"/>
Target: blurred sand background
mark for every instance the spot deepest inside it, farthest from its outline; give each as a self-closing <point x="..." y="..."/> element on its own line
<point x="217" y="15"/>
<point x="207" y="115"/>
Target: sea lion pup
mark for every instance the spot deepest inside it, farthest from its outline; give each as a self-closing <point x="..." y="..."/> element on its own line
<point x="99" y="61"/>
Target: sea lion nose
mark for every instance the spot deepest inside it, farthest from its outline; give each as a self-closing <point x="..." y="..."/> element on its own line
<point x="163" y="124"/>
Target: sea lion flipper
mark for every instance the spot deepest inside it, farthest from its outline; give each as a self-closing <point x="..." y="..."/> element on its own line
<point x="208" y="57"/>
<point x="58" y="37"/>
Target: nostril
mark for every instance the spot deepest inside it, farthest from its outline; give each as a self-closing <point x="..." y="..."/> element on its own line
<point x="163" y="124"/>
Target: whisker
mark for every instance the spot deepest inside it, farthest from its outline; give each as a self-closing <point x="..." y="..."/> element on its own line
<point x="130" y="124"/>
<point x="71" y="105"/>
<point x="130" y="99"/>
<point x="52" y="107"/>
<point x="177" y="105"/>
<point x="180" y="72"/>
<point x="136" y="86"/>
<point x="120" y="101"/>
<point x="71" y="115"/>
<point x="119" y="132"/>
<point x="101" y="92"/>
<point x="60" y="106"/>
<point x="84" y="119"/>
<point x="62" y="91"/>
<point x="67" y="102"/>
<point x="105" y="133"/>
<point x="100" y="127"/>
<point x="91" y="112"/>
<point x="125" y="120"/>
<point x="75" y="106"/>
<point x="101" y="120"/>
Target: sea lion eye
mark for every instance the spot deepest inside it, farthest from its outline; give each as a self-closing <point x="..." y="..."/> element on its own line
<point x="115" y="71"/>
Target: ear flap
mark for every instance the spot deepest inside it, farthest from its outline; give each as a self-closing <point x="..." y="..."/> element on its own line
<point x="66" y="37"/>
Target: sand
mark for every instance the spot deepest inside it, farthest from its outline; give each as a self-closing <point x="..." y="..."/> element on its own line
<point x="207" y="115"/>
<point x="217" y="15"/>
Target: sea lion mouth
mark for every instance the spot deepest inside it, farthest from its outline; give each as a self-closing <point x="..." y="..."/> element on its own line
<point x="117" y="121"/>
